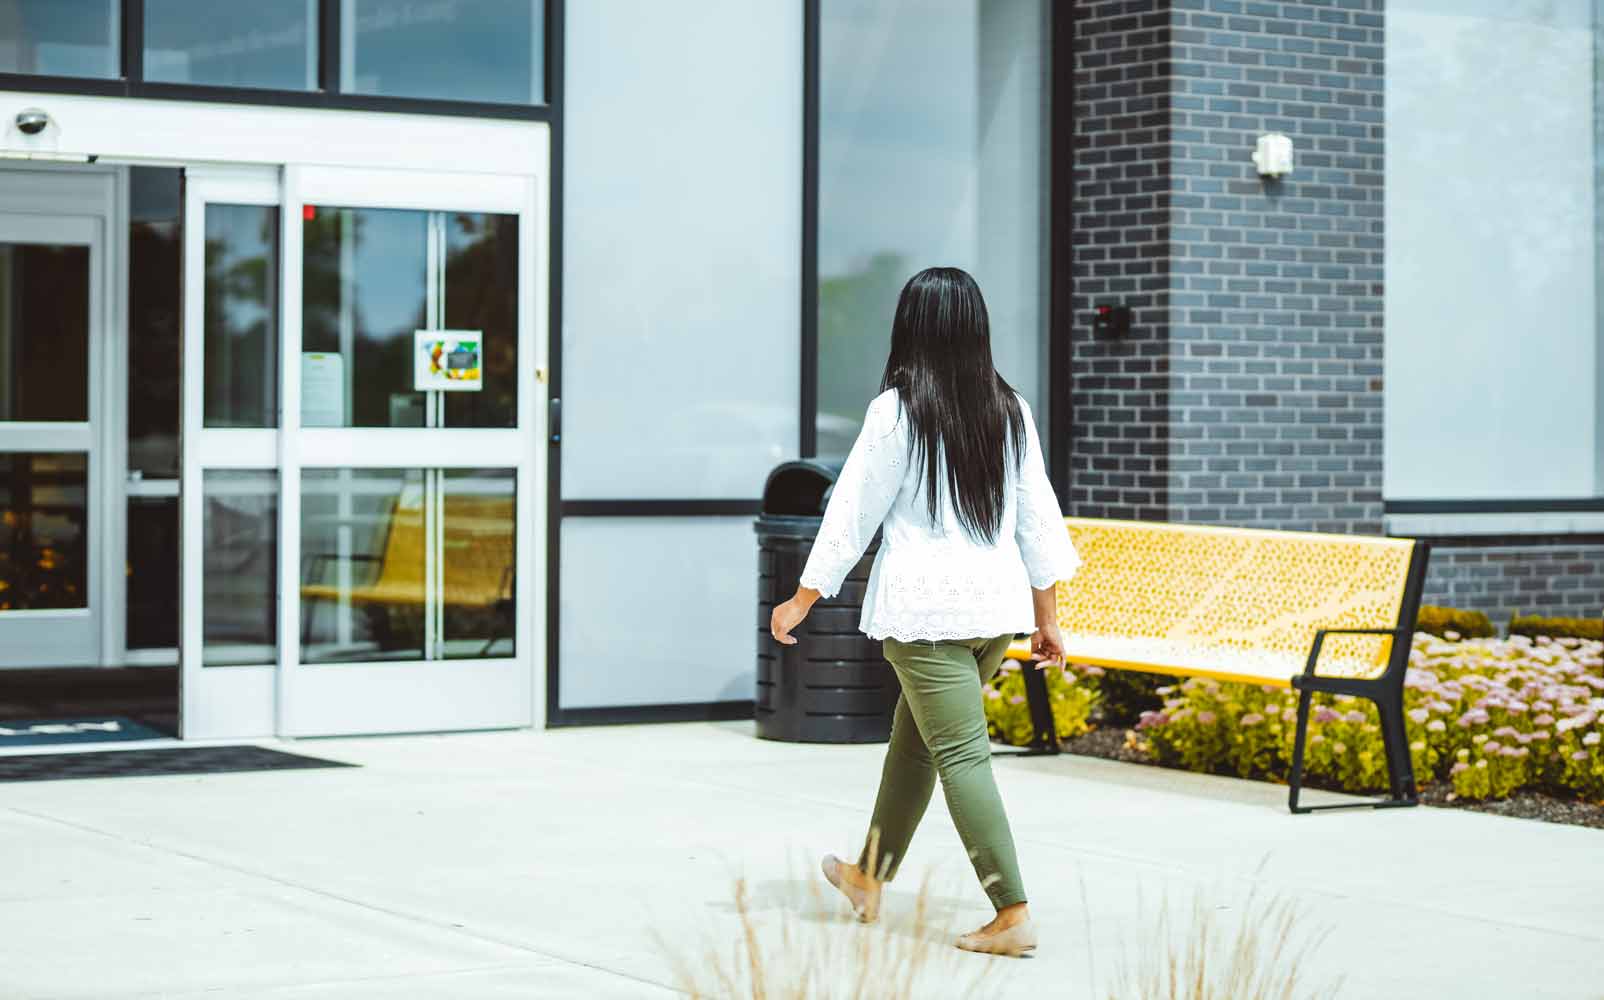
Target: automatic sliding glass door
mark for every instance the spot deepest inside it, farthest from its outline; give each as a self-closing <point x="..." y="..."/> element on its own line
<point x="414" y="459"/>
<point x="51" y="597"/>
<point x="360" y="460"/>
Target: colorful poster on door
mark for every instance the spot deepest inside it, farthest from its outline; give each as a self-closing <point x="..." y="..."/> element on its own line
<point x="448" y="360"/>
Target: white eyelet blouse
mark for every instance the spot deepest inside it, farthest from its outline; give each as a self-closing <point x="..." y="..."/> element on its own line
<point x="931" y="580"/>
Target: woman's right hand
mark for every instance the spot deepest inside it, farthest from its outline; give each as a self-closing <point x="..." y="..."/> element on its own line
<point x="789" y="615"/>
<point x="1047" y="646"/>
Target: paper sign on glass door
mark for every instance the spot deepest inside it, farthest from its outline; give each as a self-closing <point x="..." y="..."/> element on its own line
<point x="448" y="360"/>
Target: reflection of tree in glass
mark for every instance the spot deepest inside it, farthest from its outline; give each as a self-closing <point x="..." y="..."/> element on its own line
<point x="241" y="321"/>
<point x="384" y="293"/>
<point x="855" y="313"/>
<point x="481" y="292"/>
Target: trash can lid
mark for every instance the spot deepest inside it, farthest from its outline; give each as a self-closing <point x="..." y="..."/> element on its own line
<point x="800" y="487"/>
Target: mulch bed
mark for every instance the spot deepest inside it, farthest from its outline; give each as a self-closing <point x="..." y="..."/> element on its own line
<point x="1109" y="744"/>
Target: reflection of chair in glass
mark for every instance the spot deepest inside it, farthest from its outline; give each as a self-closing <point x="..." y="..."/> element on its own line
<point x="476" y="575"/>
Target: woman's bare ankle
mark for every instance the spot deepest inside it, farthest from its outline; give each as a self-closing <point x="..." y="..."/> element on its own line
<point x="856" y="876"/>
<point x="1008" y="916"/>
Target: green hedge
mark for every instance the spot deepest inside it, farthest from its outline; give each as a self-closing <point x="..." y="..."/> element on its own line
<point x="1466" y="624"/>
<point x="1559" y="628"/>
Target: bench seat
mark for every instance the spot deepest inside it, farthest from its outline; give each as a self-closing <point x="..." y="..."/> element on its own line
<point x="1287" y="609"/>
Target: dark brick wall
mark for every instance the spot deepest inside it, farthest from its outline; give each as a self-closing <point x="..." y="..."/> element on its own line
<point x="1276" y="286"/>
<point x="1120" y="451"/>
<point x="1250" y="390"/>
<point x="1555" y="575"/>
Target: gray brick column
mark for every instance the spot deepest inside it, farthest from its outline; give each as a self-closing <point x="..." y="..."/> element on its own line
<point x="1250" y="392"/>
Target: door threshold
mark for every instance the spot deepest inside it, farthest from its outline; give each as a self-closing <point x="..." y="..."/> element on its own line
<point x="99" y="745"/>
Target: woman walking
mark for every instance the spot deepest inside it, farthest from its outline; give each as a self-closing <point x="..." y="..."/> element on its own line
<point x="949" y="467"/>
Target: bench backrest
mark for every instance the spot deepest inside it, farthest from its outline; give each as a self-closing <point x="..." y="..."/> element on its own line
<point x="1238" y="589"/>
<point x="476" y="550"/>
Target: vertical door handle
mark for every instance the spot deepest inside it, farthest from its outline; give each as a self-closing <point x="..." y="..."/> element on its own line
<point x="554" y="423"/>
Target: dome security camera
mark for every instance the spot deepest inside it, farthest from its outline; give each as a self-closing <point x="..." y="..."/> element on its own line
<point x="32" y="121"/>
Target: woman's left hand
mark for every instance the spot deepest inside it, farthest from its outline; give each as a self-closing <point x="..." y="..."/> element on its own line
<point x="789" y="615"/>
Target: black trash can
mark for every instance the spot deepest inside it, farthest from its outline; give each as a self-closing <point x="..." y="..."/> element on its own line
<point x="833" y="686"/>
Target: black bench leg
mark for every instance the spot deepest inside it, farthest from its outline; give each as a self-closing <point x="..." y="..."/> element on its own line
<point x="1400" y="767"/>
<point x="1044" y="738"/>
<point x="1395" y="739"/>
<point x="1295" y="779"/>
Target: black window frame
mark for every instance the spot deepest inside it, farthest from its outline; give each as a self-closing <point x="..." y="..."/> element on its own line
<point x="132" y="83"/>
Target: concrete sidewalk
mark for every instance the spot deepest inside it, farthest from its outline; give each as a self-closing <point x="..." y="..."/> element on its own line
<point x="564" y="863"/>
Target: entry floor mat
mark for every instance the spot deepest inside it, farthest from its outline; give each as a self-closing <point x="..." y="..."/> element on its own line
<point x="165" y="760"/>
<point x="87" y="729"/>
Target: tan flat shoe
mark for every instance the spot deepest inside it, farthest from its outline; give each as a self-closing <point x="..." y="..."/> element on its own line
<point x="1014" y="942"/>
<point x="865" y="901"/>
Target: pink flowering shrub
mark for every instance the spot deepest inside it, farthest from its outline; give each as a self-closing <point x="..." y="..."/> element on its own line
<point x="1489" y="715"/>
<point x="1071" y="692"/>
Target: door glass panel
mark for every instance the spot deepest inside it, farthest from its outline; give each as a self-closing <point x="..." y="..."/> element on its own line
<point x="155" y="272"/>
<point x="362" y="553"/>
<point x="240" y="567"/>
<point x="44" y="532"/>
<point x="60" y="37"/>
<point x="477" y="558"/>
<point x="264" y="43"/>
<point x="407" y="564"/>
<point x="481" y="293"/>
<point x="153" y="572"/>
<point x="465" y="50"/>
<point x="371" y="279"/>
<point x="364" y="294"/>
<point x="241" y="300"/>
<point x="44" y="332"/>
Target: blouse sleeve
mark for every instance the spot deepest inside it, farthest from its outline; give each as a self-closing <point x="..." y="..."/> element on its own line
<point x="868" y="485"/>
<point x="1043" y="540"/>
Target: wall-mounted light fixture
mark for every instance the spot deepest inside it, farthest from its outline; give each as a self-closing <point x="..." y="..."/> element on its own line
<point x="1273" y="155"/>
<point x="37" y="136"/>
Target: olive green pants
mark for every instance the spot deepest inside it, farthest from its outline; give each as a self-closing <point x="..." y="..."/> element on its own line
<point x="940" y="730"/>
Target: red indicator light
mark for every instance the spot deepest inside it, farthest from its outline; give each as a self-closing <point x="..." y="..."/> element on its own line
<point x="308" y="212"/>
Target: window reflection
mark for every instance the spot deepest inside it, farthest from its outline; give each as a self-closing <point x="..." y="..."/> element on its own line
<point x="930" y="149"/>
<point x="477" y="559"/>
<point x="60" y="37"/>
<point x="154" y="273"/>
<point x="364" y="287"/>
<point x="481" y="293"/>
<point x="241" y="325"/>
<point x="239" y="604"/>
<point x="407" y="564"/>
<point x="462" y="50"/>
<point x="368" y="288"/>
<point x="362" y="552"/>
<point x="264" y="43"/>
<point x="44" y="531"/>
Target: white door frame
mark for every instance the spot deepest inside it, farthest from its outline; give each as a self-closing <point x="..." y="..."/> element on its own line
<point x="87" y="206"/>
<point x="324" y="699"/>
<point x="294" y="699"/>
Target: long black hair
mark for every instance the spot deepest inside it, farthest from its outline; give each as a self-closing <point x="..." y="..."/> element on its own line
<point x="958" y="407"/>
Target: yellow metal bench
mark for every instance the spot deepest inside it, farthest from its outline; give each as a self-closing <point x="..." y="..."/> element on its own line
<point x="1290" y="609"/>
<point x="477" y="550"/>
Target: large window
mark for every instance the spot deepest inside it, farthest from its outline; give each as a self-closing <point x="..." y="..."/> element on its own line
<point x="60" y="37"/>
<point x="680" y="339"/>
<point x="931" y="147"/>
<point x="264" y="43"/>
<point x="466" y="50"/>
<point x="487" y="56"/>
<point x="1492" y="230"/>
